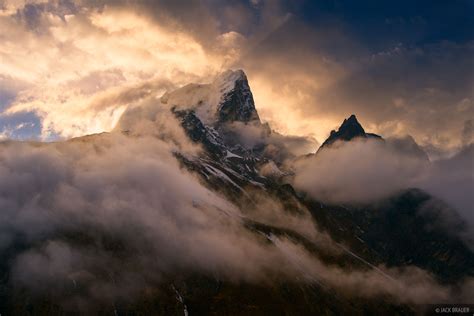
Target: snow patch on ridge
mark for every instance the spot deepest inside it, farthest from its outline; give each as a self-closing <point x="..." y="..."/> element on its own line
<point x="216" y="172"/>
<point x="204" y="99"/>
<point x="232" y="155"/>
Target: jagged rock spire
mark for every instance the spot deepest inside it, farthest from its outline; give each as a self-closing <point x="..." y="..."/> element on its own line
<point x="348" y="130"/>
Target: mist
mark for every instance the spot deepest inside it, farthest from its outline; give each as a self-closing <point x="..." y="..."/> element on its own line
<point x="110" y="214"/>
<point x="365" y="171"/>
<point x="275" y="146"/>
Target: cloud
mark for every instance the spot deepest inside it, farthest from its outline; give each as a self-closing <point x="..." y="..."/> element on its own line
<point x="110" y="214"/>
<point x="357" y="171"/>
<point x="306" y="78"/>
<point x="452" y="180"/>
<point x="130" y="191"/>
<point x="368" y="283"/>
<point x="274" y="145"/>
<point x="90" y="65"/>
<point x="327" y="67"/>
<point x="364" y="171"/>
<point x="468" y="133"/>
<point x="85" y="55"/>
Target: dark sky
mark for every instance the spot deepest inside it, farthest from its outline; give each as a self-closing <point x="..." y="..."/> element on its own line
<point x="379" y="23"/>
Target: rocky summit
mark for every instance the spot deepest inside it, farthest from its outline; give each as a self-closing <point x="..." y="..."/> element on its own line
<point x="372" y="241"/>
<point x="349" y="130"/>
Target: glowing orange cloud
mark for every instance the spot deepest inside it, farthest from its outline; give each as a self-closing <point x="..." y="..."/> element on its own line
<point x="79" y="70"/>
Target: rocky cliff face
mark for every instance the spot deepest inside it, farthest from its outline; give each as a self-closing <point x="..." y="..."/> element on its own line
<point x="236" y="103"/>
<point x="394" y="233"/>
<point x="379" y="231"/>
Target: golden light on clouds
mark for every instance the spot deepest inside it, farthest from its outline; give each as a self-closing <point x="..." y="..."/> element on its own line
<point x="286" y="96"/>
<point x="279" y="106"/>
<point x="78" y="65"/>
<point x="79" y="70"/>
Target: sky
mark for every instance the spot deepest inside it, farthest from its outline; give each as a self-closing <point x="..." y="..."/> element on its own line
<point x="71" y="68"/>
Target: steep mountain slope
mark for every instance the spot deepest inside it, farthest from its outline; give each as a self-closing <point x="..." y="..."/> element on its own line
<point x="397" y="216"/>
<point x="381" y="231"/>
<point x="345" y="242"/>
<point x="401" y="216"/>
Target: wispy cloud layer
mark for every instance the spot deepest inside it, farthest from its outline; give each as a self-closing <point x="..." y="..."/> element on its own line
<point x="112" y="214"/>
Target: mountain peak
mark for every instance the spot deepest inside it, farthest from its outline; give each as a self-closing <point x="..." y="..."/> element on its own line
<point x="349" y="129"/>
<point x="352" y="119"/>
<point x="227" y="80"/>
<point x="226" y="99"/>
<point x="237" y="102"/>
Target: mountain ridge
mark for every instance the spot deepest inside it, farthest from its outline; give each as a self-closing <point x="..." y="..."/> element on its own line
<point x="369" y="238"/>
